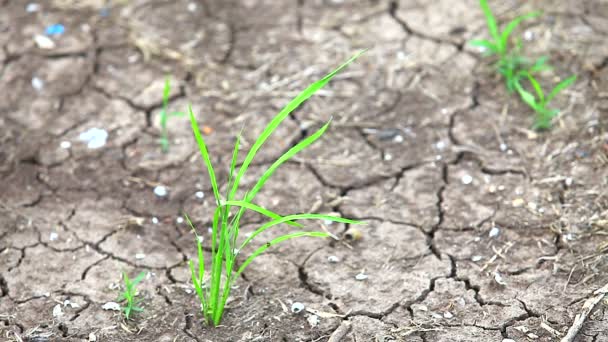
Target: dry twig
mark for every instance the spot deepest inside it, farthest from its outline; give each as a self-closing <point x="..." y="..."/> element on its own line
<point x="580" y="319"/>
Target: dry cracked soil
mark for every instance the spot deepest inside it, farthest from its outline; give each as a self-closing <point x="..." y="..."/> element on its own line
<point x="478" y="228"/>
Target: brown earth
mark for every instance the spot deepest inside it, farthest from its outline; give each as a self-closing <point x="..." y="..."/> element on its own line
<point x="478" y="228"/>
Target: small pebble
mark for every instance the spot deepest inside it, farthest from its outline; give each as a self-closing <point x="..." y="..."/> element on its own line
<point x="199" y="194"/>
<point x="388" y="157"/>
<point x="93" y="338"/>
<point x="179" y="220"/>
<point x="476" y="258"/>
<point x="53" y="236"/>
<point x="508" y="340"/>
<point x="518" y="202"/>
<point x="57" y="312"/>
<point x="444" y="111"/>
<point x="466" y="179"/>
<point x="532" y="336"/>
<point x="37" y="83"/>
<point x="333" y="259"/>
<point x="440" y="145"/>
<point x="140" y="256"/>
<point x="65" y="144"/>
<point x="160" y="191"/>
<point x="398" y="139"/>
<point x="32" y="7"/>
<point x="155" y="220"/>
<point x="503" y="147"/>
<point x="192" y="7"/>
<point x="313" y="320"/>
<point x="361" y="276"/>
<point x="448" y="315"/>
<point x="297" y="307"/>
<point x="499" y="279"/>
<point x="44" y="42"/>
<point x="568" y="181"/>
<point x="94" y="137"/>
<point x="494" y="232"/>
<point x="111" y="306"/>
<point x="528" y="35"/>
<point x="532" y="206"/>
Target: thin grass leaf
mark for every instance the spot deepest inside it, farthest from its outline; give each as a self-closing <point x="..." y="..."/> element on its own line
<point x="205" y="154"/>
<point x="538" y="89"/>
<point x="274" y="123"/>
<point x="540" y="65"/>
<point x="274" y="242"/>
<point x="295" y="217"/>
<point x="490" y="20"/>
<point x="258" y="209"/>
<point x="504" y="37"/>
<point x="138" y="279"/>
<point x="527" y="97"/>
<point x="561" y="86"/>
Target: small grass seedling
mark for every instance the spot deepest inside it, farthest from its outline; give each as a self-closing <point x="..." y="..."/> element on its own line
<point x="544" y="114"/>
<point x="213" y="290"/>
<point x="130" y="294"/>
<point x="165" y="115"/>
<point x="510" y="61"/>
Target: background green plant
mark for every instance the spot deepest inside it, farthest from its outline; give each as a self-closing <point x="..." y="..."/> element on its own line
<point x="213" y="290"/>
<point x="514" y="67"/>
<point x="130" y="294"/>
<point x="164" y="117"/>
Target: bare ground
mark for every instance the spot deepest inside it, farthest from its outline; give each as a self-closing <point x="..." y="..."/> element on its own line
<point x="478" y="229"/>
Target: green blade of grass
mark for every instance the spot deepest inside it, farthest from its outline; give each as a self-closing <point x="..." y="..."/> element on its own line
<point x="490" y="20"/>
<point x="504" y="37"/>
<point x="560" y="86"/>
<point x="285" y="157"/>
<point x="258" y="209"/>
<point x="274" y="123"/>
<point x="527" y="97"/>
<point x="295" y="217"/>
<point x="205" y="154"/>
<point x="138" y="279"/>
<point x="537" y="88"/>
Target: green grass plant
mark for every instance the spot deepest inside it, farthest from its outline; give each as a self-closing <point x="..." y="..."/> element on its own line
<point x="539" y="102"/>
<point x="516" y="68"/>
<point x="510" y="61"/>
<point x="213" y="284"/>
<point x="164" y="117"/>
<point x="130" y="294"/>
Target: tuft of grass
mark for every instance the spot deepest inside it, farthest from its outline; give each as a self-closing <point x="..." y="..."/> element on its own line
<point x="514" y="67"/>
<point x="510" y="61"/>
<point x="164" y="117"/>
<point x="130" y="294"/>
<point x="539" y="103"/>
<point x="213" y="289"/>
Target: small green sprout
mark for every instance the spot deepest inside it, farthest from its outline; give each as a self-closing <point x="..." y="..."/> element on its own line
<point x="510" y="62"/>
<point x="165" y="115"/>
<point x="130" y="294"/>
<point x="213" y="289"/>
<point x="544" y="115"/>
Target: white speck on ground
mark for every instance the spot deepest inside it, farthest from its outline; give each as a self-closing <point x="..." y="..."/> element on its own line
<point x="111" y="306"/>
<point x="297" y="307"/>
<point x="466" y="179"/>
<point x="199" y="194"/>
<point x="94" y="137"/>
<point x="65" y="144"/>
<point x="53" y="236"/>
<point x="361" y="276"/>
<point x="160" y="191"/>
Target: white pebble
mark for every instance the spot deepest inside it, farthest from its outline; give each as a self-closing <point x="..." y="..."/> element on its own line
<point x="440" y="145"/>
<point x="313" y="320"/>
<point x="476" y="258"/>
<point x="508" y="340"/>
<point x="448" y="315"/>
<point x="179" y="220"/>
<point x="155" y="220"/>
<point x="44" y="42"/>
<point x="361" y="276"/>
<point x="111" y="306"/>
<point x="388" y="157"/>
<point x="65" y="144"/>
<point x="57" y="312"/>
<point x="466" y="179"/>
<point x="398" y="138"/>
<point x="528" y="35"/>
<point x="333" y="259"/>
<point x="37" y="83"/>
<point x="192" y="7"/>
<point x="297" y="307"/>
<point x="494" y="232"/>
<point x="140" y="256"/>
<point x="32" y="7"/>
<point x="503" y="147"/>
<point x="53" y="236"/>
<point x="94" y="137"/>
<point x="160" y="191"/>
<point x="199" y="194"/>
<point x="499" y="279"/>
<point x="568" y="181"/>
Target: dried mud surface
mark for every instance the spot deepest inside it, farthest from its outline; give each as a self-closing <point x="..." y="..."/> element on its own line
<point x="478" y="229"/>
